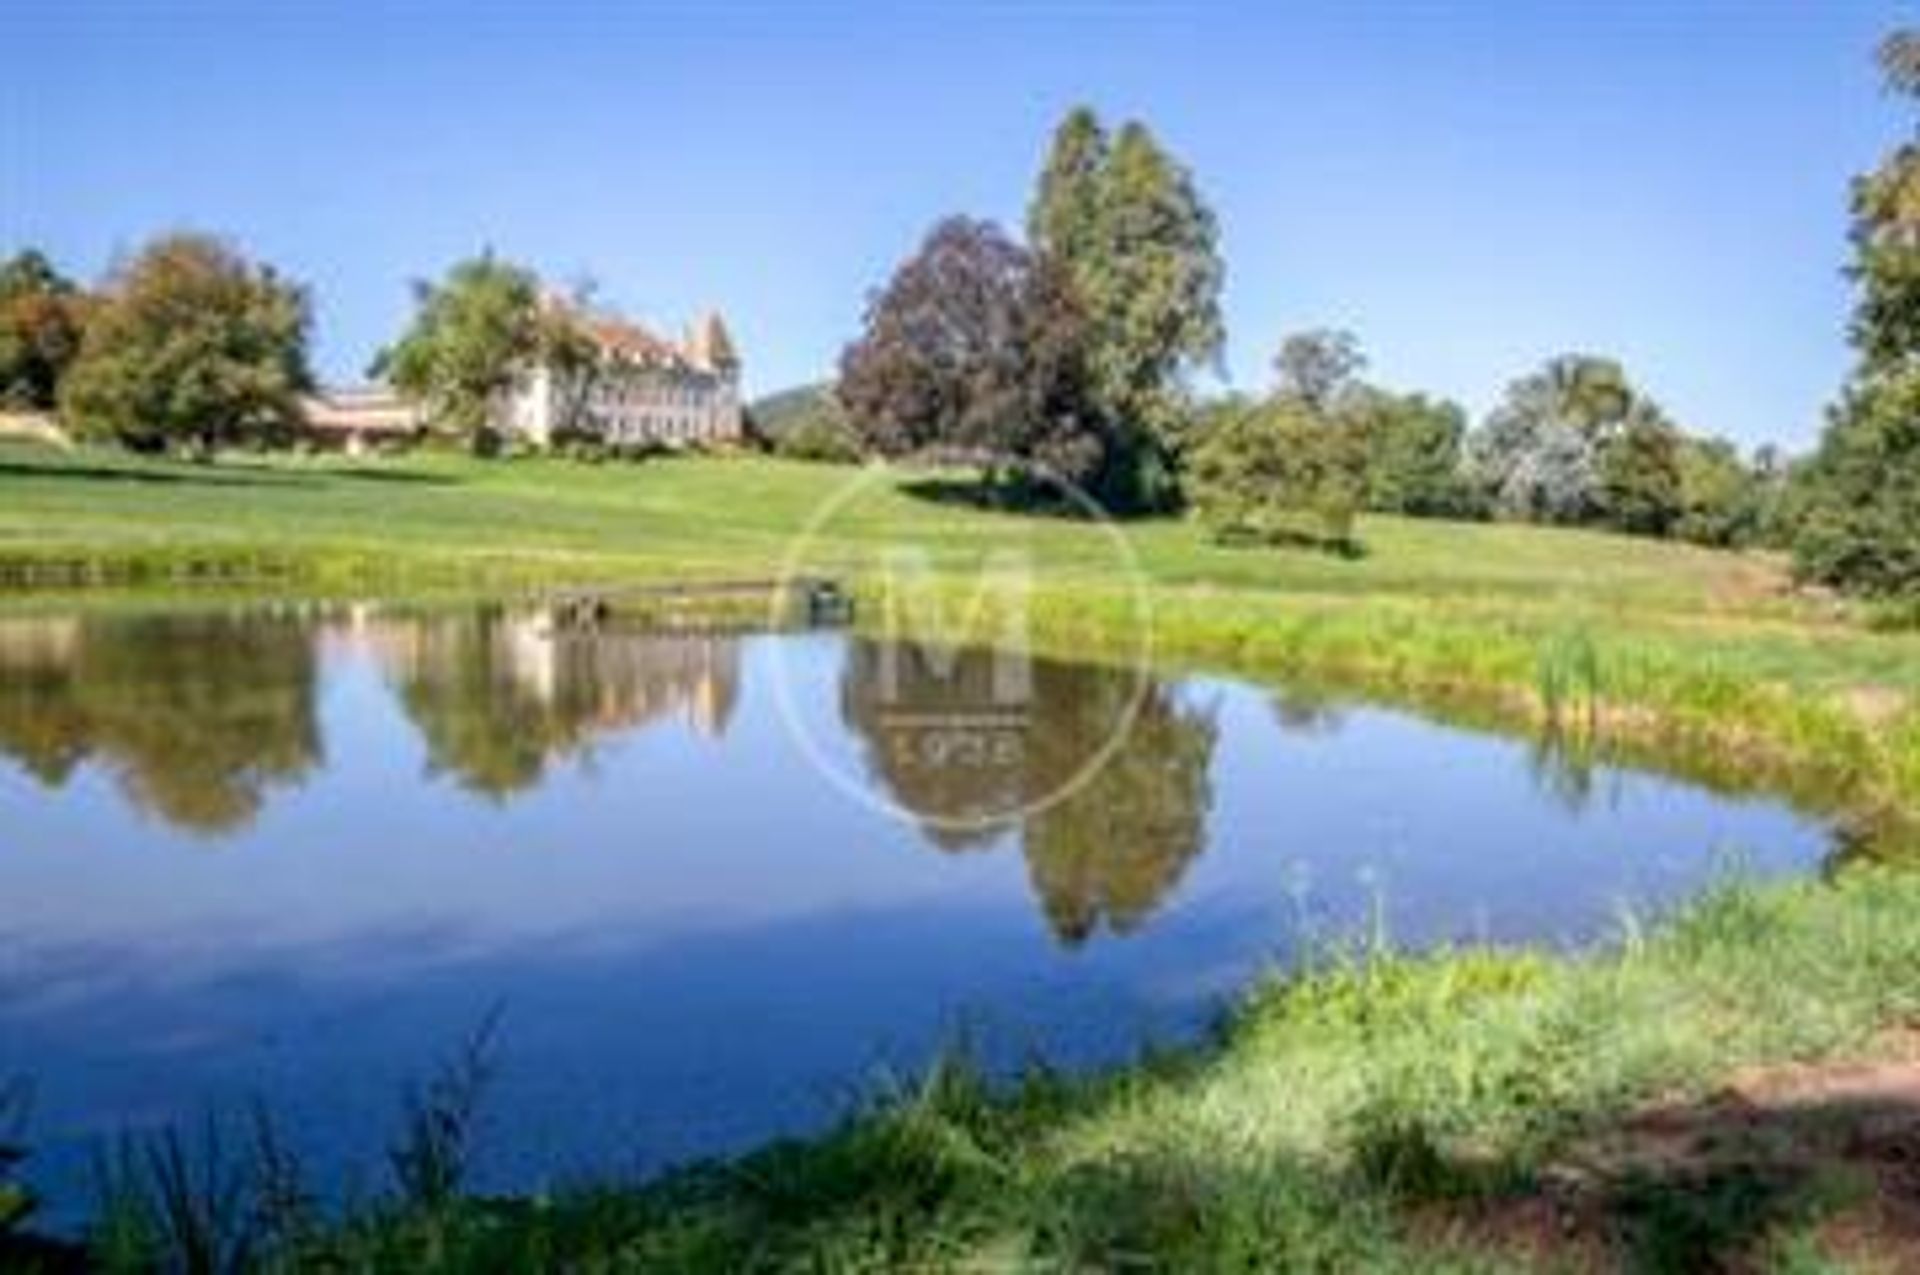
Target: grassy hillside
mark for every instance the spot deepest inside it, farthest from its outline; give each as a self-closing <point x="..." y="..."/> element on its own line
<point x="697" y="515"/>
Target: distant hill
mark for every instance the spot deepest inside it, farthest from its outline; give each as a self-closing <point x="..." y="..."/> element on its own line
<point x="805" y="423"/>
<point x="778" y="413"/>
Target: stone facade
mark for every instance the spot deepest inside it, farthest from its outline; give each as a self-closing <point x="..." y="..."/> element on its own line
<point x="641" y="391"/>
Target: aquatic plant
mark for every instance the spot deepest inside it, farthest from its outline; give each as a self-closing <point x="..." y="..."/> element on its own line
<point x="432" y="1157"/>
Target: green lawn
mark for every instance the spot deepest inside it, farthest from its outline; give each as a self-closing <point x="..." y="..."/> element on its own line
<point x="687" y="516"/>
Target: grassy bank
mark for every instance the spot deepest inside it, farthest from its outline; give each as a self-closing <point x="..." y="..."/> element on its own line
<point x="1472" y="1111"/>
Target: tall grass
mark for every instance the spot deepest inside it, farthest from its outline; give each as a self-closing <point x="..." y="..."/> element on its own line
<point x="234" y="1200"/>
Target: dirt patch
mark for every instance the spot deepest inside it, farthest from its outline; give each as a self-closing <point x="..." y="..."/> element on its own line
<point x="1876" y="705"/>
<point x="1821" y="1159"/>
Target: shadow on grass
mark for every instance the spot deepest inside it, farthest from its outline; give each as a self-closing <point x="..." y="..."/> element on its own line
<point x="353" y="473"/>
<point x="223" y="473"/>
<point x="1030" y="498"/>
<point x="1345" y="547"/>
<point x="1026" y="496"/>
<point x="211" y="475"/>
<point x="1733" y="1184"/>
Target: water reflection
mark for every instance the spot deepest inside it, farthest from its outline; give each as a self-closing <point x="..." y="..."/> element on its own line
<point x="201" y="716"/>
<point x="1308" y="710"/>
<point x="701" y="942"/>
<point x="198" y="716"/>
<point x="1103" y="781"/>
<point x="500" y="697"/>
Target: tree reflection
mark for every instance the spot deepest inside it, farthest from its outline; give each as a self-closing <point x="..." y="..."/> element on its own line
<point x="42" y="725"/>
<point x="1305" y="709"/>
<point x="198" y="714"/>
<point x="1109" y="797"/>
<point x="500" y="696"/>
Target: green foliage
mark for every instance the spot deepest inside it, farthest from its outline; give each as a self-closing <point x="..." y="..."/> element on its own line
<point x="1415" y="455"/>
<point x="1861" y="529"/>
<point x="1723" y="500"/>
<point x="190" y="345"/>
<point x="42" y="317"/>
<point x="1577" y="443"/>
<point x="470" y="337"/>
<point x="1277" y="472"/>
<point x="1122" y="220"/>
<point x="1861" y="525"/>
<point x="1640" y="475"/>
<point x="823" y="437"/>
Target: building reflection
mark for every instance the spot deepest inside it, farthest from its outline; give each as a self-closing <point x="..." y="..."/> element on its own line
<point x="198" y="715"/>
<point x="1106" y="785"/>
<point x="500" y="696"/>
<point x="201" y="717"/>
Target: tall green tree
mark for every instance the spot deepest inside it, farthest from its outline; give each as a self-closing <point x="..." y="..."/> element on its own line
<point x="1724" y="501"/>
<point x="1641" y="480"/>
<point x="471" y="336"/>
<point x="1415" y="454"/>
<point x="42" y="316"/>
<point x="1066" y="217"/>
<point x="1860" y="522"/>
<point x="191" y="345"/>
<point x="1139" y="249"/>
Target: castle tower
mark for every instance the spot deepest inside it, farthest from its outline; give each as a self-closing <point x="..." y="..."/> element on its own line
<point x="710" y="346"/>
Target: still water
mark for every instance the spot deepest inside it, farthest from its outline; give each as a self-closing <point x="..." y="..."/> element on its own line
<point x="709" y="883"/>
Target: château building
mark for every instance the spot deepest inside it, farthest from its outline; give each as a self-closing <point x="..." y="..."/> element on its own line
<point x="641" y="389"/>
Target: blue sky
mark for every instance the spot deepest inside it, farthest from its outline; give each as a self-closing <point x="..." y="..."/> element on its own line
<point x="1470" y="187"/>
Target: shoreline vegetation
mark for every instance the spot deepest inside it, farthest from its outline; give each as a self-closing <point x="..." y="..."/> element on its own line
<point x="1670" y="1103"/>
<point x="1377" y="1111"/>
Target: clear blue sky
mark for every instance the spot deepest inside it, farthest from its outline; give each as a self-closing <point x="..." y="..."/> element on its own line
<point x="1470" y="187"/>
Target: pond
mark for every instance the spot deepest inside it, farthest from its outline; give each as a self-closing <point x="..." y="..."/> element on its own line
<point x="708" y="883"/>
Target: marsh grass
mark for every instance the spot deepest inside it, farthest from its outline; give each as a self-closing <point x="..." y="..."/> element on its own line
<point x="236" y="1197"/>
<point x="431" y="1160"/>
